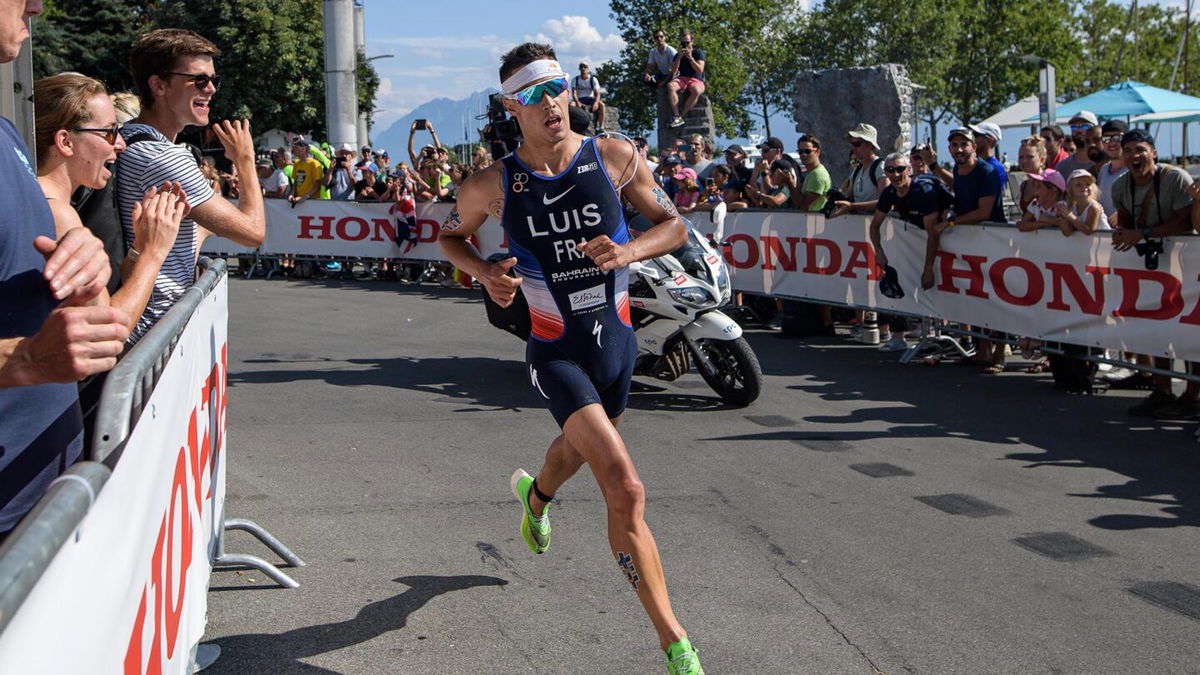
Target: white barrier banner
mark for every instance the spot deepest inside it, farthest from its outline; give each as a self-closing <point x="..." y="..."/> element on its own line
<point x="1075" y="289"/>
<point x="331" y="229"/>
<point x="128" y="594"/>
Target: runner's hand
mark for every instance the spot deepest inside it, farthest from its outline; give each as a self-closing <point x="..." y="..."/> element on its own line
<point x="73" y="343"/>
<point x="77" y="267"/>
<point x="607" y="254"/>
<point x="236" y="139"/>
<point x="499" y="285"/>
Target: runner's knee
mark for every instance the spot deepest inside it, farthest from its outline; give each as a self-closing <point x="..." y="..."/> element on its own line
<point x="625" y="494"/>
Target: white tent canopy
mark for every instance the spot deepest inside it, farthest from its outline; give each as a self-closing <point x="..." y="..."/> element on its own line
<point x="1017" y="114"/>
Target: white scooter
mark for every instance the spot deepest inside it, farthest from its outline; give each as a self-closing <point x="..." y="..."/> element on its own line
<point x="674" y="307"/>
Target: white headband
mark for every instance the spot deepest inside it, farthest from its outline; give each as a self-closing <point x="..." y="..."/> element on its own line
<point x="542" y="69"/>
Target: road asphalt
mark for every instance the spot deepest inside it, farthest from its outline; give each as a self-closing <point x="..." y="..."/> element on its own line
<point x="862" y="516"/>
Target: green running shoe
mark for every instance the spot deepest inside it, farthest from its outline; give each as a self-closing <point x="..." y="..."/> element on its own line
<point x="683" y="659"/>
<point x="535" y="531"/>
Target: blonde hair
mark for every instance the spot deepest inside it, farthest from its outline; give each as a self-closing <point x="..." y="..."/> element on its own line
<point x="1093" y="193"/>
<point x="1037" y="143"/>
<point x="127" y="105"/>
<point x="60" y="102"/>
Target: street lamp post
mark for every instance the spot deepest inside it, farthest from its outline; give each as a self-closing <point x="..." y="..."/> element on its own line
<point x="1046" y="94"/>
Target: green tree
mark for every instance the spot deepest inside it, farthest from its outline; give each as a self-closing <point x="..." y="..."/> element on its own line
<point x="272" y="62"/>
<point x="93" y="37"/>
<point x="721" y="29"/>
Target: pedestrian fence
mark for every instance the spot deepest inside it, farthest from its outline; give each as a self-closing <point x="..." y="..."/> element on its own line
<point x="118" y="553"/>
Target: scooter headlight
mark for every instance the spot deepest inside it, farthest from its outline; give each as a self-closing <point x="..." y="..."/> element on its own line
<point x="692" y="297"/>
<point x="723" y="280"/>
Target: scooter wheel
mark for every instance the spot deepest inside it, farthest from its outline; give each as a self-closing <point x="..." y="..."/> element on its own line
<point x="736" y="375"/>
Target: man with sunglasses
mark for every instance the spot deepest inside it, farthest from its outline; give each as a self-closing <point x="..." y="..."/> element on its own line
<point x="1054" y="138"/>
<point x="1083" y="125"/>
<point x="920" y="201"/>
<point x="658" y="63"/>
<point x="558" y="198"/>
<point x="688" y="72"/>
<point x="174" y="74"/>
<point x="1108" y="173"/>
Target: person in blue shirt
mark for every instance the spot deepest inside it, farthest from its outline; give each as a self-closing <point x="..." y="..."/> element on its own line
<point x="54" y="328"/>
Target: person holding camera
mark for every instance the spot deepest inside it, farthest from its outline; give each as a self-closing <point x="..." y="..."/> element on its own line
<point x="428" y="151"/>
<point x="1154" y="200"/>
<point x="340" y="177"/>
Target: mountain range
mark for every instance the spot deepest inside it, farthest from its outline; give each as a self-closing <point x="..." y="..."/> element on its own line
<point x="454" y="122"/>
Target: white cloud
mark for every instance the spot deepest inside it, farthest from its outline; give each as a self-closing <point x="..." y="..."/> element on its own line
<point x="575" y="39"/>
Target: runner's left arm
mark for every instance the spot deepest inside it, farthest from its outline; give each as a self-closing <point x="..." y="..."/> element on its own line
<point x="667" y="233"/>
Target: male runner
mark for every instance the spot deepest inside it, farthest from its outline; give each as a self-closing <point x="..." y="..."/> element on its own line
<point x="558" y="199"/>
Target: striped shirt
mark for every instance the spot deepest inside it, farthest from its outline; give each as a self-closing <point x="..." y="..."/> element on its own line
<point x="148" y="164"/>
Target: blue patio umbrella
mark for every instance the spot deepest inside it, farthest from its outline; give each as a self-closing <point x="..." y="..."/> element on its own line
<point x="1128" y="98"/>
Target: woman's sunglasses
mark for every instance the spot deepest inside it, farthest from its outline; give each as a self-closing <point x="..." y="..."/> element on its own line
<point x="109" y="134"/>
<point x="201" y="80"/>
<point x="532" y="95"/>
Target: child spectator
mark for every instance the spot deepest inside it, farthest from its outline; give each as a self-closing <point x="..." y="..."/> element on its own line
<point x="1084" y="211"/>
<point x="1045" y="208"/>
<point x="687" y="192"/>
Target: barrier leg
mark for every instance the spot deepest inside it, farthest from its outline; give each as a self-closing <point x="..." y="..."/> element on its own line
<point x="223" y="559"/>
<point x="266" y="538"/>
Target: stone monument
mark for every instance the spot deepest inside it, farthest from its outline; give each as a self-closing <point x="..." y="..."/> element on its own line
<point x="828" y="103"/>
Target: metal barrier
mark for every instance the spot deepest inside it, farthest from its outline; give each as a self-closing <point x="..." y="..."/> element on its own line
<point x="130" y="384"/>
<point x="31" y="547"/>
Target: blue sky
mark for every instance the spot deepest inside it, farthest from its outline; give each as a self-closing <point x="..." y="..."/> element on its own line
<point x="452" y="50"/>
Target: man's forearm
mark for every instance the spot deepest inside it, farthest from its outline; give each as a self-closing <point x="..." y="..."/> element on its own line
<point x="250" y="199"/>
<point x="463" y="255"/>
<point x="662" y="238"/>
<point x="14" y="370"/>
<point x="943" y="174"/>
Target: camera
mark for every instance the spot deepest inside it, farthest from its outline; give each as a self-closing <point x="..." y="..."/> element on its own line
<point x="422" y="124"/>
<point x="831" y="198"/>
<point x="1149" y="250"/>
<point x="502" y="133"/>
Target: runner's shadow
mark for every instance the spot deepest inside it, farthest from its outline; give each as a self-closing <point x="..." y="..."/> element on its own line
<point x="281" y="653"/>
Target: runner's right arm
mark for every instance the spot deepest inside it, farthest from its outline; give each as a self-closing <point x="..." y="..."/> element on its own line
<point x="480" y="196"/>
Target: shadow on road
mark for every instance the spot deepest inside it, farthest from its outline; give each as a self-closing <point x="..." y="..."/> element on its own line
<point x="280" y="653"/>
<point x="1161" y="460"/>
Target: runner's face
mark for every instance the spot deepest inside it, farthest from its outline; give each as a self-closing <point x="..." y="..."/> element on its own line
<point x="189" y="104"/>
<point x="14" y="25"/>
<point x="545" y="120"/>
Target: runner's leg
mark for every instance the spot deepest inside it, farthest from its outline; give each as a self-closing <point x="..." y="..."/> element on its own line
<point x="562" y="461"/>
<point x="590" y="432"/>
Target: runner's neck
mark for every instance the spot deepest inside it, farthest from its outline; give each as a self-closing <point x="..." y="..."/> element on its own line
<point x="550" y="159"/>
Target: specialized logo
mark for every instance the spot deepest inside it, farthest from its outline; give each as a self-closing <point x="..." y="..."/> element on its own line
<point x="588" y="297"/>
<point x="590" y="166"/>
<point x="547" y="200"/>
<point x="626" y="562"/>
<point x="519" y="181"/>
<point x="533" y="377"/>
<point x="596" y="330"/>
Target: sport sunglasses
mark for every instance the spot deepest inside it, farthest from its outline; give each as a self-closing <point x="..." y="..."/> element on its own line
<point x="532" y="95"/>
<point x="201" y="80"/>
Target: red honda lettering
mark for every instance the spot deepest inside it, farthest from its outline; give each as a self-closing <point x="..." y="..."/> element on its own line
<point x="362" y="227"/>
<point x="427" y="230"/>
<point x="862" y="255"/>
<point x="811" y="265"/>
<point x="1035" y="286"/>
<point x="1088" y="303"/>
<point x="385" y="229"/>
<point x="307" y="227"/>
<point x="1194" y="317"/>
<point x="973" y="274"/>
<point x="751" y="257"/>
<point x="1170" y="302"/>
<point x="175" y="598"/>
<point x="772" y="249"/>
